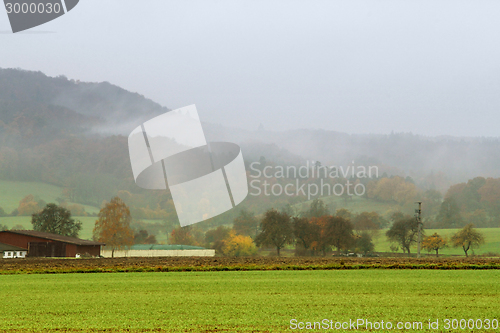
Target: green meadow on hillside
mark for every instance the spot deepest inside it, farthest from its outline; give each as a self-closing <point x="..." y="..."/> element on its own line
<point x="491" y="235"/>
<point x="356" y="205"/>
<point x="88" y="223"/>
<point x="13" y="192"/>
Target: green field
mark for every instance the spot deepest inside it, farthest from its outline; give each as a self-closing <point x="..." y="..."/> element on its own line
<point x="491" y="235"/>
<point x="88" y="223"/>
<point x="356" y="205"/>
<point x="243" y="301"/>
<point x="13" y="192"/>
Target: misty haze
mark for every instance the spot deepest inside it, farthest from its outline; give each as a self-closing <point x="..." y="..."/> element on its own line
<point x="247" y="166"/>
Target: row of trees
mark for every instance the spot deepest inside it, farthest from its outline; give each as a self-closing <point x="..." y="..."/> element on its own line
<point x="467" y="238"/>
<point x="404" y="232"/>
<point x="313" y="232"/>
<point x="316" y="231"/>
<point x="30" y="205"/>
<point x="235" y="241"/>
<point x="318" y="235"/>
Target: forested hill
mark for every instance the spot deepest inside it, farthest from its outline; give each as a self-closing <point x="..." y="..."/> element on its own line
<point x="459" y="158"/>
<point x="455" y="158"/>
<point x="60" y="102"/>
<point x="62" y="132"/>
<point x="74" y="134"/>
<point x="52" y="129"/>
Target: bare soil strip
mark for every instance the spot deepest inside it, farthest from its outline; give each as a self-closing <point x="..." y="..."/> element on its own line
<point x="176" y="264"/>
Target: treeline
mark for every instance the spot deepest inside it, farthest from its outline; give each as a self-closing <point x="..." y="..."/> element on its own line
<point x="317" y="232"/>
<point x="459" y="158"/>
<point x="476" y="202"/>
<point x="313" y="232"/>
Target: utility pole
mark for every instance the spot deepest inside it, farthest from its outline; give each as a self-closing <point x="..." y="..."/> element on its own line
<point x="419" y="221"/>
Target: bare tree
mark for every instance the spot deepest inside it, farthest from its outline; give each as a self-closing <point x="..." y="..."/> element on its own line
<point x="404" y="232"/>
<point x="276" y="230"/>
<point x="467" y="238"/>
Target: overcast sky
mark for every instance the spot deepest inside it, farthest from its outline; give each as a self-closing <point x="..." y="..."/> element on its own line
<point x="429" y="67"/>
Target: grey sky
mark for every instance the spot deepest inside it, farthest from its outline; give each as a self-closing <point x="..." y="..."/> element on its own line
<point x="429" y="67"/>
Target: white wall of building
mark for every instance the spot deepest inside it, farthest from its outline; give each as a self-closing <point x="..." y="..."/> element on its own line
<point x="14" y="254"/>
<point x="160" y="253"/>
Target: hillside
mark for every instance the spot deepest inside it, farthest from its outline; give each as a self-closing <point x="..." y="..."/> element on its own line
<point x="434" y="162"/>
<point x="42" y="108"/>
<point x="61" y="137"/>
<point x="101" y="106"/>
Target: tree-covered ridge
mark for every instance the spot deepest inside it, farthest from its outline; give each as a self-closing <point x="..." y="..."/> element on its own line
<point x="71" y="103"/>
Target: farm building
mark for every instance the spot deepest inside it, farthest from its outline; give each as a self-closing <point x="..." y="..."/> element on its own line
<point x="160" y="250"/>
<point x="11" y="251"/>
<point x="44" y="244"/>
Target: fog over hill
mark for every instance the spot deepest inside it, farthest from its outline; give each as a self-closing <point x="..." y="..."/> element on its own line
<point x="49" y="108"/>
<point x="101" y="106"/>
<point x="459" y="158"/>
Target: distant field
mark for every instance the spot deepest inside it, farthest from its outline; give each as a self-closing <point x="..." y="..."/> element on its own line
<point x="356" y="205"/>
<point x="254" y="263"/>
<point x="13" y="192"/>
<point x="264" y="301"/>
<point x="87" y="223"/>
<point x="492" y="237"/>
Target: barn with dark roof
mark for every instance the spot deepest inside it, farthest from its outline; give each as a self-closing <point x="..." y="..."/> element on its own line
<point x="44" y="244"/>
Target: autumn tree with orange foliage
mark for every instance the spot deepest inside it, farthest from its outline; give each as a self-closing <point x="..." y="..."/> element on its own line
<point x="113" y="225"/>
<point x="434" y="243"/>
<point x="182" y="236"/>
<point x="323" y="240"/>
<point x="28" y="206"/>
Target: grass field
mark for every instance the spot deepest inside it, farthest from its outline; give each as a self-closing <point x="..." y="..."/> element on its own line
<point x="242" y="301"/>
<point x="356" y="205"/>
<point x="88" y="223"/>
<point x="491" y="235"/>
<point x="13" y="192"/>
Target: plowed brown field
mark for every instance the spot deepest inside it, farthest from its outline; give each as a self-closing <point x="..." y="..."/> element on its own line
<point x="66" y="265"/>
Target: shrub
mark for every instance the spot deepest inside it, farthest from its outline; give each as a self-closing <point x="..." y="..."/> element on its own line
<point x="239" y="245"/>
